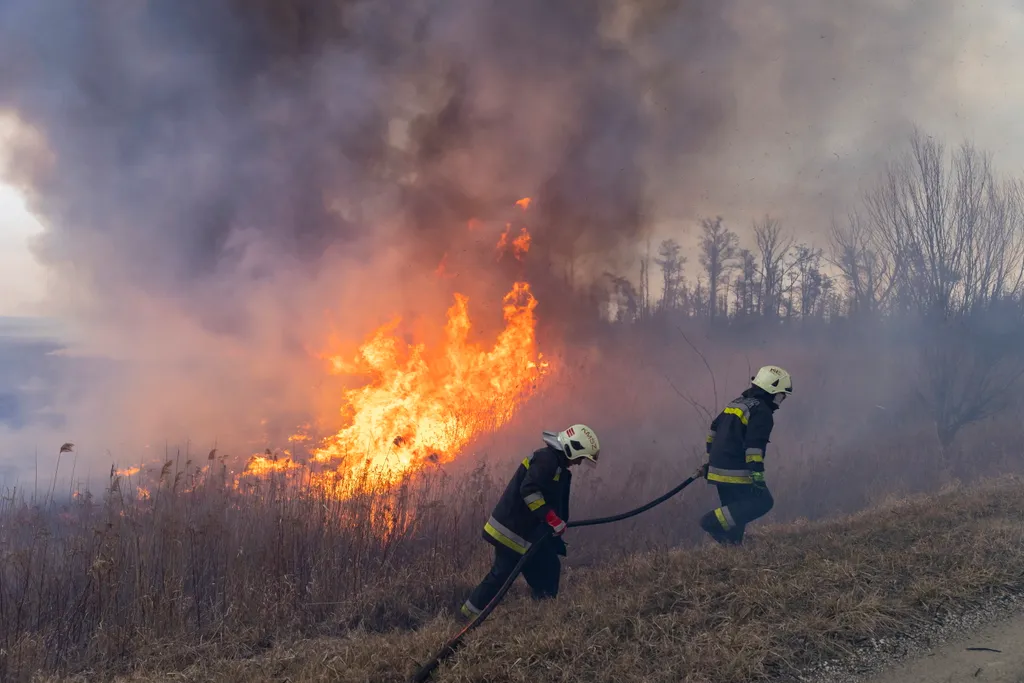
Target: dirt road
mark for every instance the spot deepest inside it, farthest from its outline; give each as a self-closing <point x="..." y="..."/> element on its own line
<point x="968" y="659"/>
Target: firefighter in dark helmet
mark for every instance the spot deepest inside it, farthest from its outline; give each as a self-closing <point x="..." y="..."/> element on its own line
<point x="536" y="500"/>
<point x="736" y="447"/>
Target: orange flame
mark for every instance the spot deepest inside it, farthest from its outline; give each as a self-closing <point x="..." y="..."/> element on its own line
<point x="520" y="245"/>
<point x="425" y="405"/>
<point x="262" y="465"/>
<point x="128" y="472"/>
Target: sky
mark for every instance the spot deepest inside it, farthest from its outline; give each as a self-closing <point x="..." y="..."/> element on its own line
<point x="22" y="278"/>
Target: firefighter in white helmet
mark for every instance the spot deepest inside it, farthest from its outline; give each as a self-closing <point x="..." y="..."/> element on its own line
<point x="535" y="500"/>
<point x="736" y="446"/>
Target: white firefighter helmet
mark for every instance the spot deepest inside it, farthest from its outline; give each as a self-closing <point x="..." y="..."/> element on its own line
<point x="577" y="442"/>
<point x="773" y="379"/>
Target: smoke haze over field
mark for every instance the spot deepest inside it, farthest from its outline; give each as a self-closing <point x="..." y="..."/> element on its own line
<point x="225" y="183"/>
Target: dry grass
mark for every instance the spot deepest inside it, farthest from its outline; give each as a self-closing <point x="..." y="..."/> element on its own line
<point x="795" y="595"/>
<point x="99" y="585"/>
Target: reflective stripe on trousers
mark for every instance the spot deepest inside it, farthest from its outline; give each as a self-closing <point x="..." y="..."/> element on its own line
<point x="725" y="518"/>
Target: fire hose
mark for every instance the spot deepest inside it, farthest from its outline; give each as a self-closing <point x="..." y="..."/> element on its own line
<point x="425" y="671"/>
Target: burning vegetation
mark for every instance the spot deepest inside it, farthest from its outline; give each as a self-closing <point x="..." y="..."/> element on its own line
<point x="425" y="404"/>
<point x="422" y="404"/>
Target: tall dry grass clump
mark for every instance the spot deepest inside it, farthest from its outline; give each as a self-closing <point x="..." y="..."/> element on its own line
<point x="199" y="558"/>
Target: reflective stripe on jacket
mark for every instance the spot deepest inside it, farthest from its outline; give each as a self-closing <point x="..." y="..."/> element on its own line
<point x="540" y="483"/>
<point x="738" y="438"/>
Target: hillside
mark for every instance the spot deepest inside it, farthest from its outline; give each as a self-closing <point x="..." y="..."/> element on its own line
<point x="797" y="596"/>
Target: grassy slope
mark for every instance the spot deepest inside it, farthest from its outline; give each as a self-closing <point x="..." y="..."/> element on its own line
<point x="793" y="596"/>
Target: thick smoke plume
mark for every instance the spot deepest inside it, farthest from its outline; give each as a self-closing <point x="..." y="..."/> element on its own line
<point x="228" y="183"/>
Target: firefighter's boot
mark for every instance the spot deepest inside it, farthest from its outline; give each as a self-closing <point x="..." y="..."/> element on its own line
<point x="711" y="524"/>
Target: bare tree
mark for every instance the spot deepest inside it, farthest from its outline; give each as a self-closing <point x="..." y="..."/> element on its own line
<point x="831" y="302"/>
<point x="969" y="368"/>
<point x="746" y="286"/>
<point x="718" y="246"/>
<point x="870" y="274"/>
<point x="645" y="283"/>
<point x="698" y="300"/>
<point x="956" y="230"/>
<point x="626" y="298"/>
<point x="808" y="279"/>
<point x="671" y="262"/>
<point x="993" y="266"/>
<point x="772" y="246"/>
<point x="957" y="234"/>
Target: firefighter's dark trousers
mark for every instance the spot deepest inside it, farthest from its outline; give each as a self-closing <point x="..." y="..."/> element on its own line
<point x="741" y="504"/>
<point x="542" y="572"/>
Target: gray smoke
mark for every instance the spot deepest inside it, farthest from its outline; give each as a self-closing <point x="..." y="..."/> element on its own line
<point x="217" y="175"/>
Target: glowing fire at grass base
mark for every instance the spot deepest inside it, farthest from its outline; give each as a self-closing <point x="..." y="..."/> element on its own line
<point x="424" y="405"/>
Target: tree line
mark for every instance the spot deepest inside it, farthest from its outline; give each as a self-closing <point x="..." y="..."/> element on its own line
<point x="933" y="253"/>
<point x="776" y="279"/>
<point x="942" y="235"/>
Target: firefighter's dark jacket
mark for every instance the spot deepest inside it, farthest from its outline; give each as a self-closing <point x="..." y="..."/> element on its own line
<point x="738" y="438"/>
<point x="541" y="483"/>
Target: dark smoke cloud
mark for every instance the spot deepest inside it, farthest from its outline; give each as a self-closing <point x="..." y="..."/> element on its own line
<point x="184" y="131"/>
<point x="218" y="175"/>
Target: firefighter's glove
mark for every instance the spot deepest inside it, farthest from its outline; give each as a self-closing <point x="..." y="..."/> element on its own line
<point x="555" y="522"/>
<point x="702" y="473"/>
<point x="758" y="479"/>
<point x="560" y="546"/>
